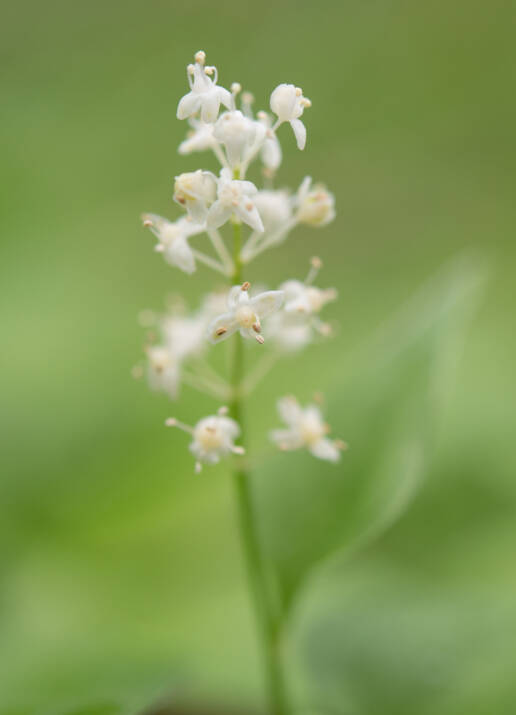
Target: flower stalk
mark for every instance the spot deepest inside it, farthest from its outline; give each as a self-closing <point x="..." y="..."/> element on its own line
<point x="266" y="620"/>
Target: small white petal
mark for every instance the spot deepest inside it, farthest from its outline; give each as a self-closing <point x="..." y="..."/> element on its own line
<point x="300" y="132"/>
<point x="325" y="449"/>
<point x="267" y="303"/>
<point x="180" y="254"/>
<point x="249" y="216"/>
<point x="210" y="107"/>
<point x="188" y="105"/>
<point x="218" y="214"/>
<point x="226" y="323"/>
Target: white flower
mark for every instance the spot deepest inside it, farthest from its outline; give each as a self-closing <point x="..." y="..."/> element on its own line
<point x="195" y="190"/>
<point x="288" y="103"/>
<point x="302" y="298"/>
<point x="204" y="95"/>
<point x="173" y="239"/>
<point x="239" y="135"/>
<point x="199" y="138"/>
<point x="290" y="331"/>
<point x="315" y="207"/>
<point x="305" y="428"/>
<point x="163" y="370"/>
<point x="244" y="314"/>
<point x="234" y="197"/>
<point x="213" y="437"/>
<point x="184" y="335"/>
<point x="274" y="207"/>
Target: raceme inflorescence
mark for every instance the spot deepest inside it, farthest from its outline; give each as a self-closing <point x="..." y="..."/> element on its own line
<point x="279" y="321"/>
<point x="288" y="317"/>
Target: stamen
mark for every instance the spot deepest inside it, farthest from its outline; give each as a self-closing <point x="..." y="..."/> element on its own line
<point x="209" y="70"/>
<point x="173" y="422"/>
<point x="315" y="267"/>
<point x="236" y="87"/>
<point x="200" y="57"/>
<point x="299" y="91"/>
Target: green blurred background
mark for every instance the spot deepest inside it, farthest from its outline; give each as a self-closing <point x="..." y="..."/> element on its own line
<point x="121" y="580"/>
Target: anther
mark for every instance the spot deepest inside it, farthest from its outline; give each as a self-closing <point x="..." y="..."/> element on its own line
<point x="299" y="91"/>
<point x="340" y="444"/>
<point x="238" y="450"/>
<point x="260" y="339"/>
<point x="236" y="87"/>
<point x="209" y="70"/>
<point x="245" y="286"/>
<point x="147" y="223"/>
<point x="200" y="57"/>
<point x="221" y="331"/>
<point x="223" y="410"/>
<point x="257" y="328"/>
<point x="316" y="262"/>
<point x="170" y="422"/>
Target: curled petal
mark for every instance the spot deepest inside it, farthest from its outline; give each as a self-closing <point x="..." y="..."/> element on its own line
<point x="236" y="296"/>
<point x="225" y="97"/>
<point x="300" y="132"/>
<point x="188" y="105"/>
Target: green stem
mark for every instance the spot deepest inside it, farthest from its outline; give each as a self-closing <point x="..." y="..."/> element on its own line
<point x="256" y="567"/>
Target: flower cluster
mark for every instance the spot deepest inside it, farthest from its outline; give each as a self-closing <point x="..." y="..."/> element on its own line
<point x="286" y="318"/>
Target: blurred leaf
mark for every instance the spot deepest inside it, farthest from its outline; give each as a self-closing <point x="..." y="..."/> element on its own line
<point x="393" y="398"/>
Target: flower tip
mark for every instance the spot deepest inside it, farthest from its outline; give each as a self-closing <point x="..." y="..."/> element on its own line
<point x="200" y="57"/>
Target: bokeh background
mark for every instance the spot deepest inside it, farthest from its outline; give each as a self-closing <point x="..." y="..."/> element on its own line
<point x="121" y="580"/>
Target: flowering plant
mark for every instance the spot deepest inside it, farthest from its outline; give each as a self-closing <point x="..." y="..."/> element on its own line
<point x="287" y="318"/>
